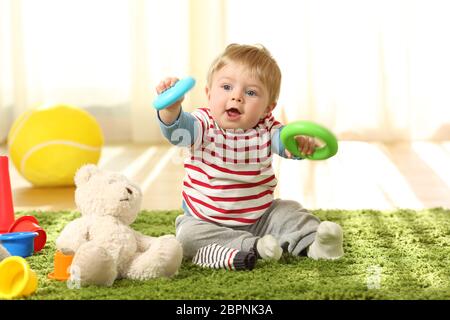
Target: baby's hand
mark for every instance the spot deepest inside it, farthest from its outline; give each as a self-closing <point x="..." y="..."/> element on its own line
<point x="166" y="84"/>
<point x="306" y="146"/>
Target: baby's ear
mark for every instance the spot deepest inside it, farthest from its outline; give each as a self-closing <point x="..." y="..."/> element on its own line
<point x="269" y="109"/>
<point x="85" y="173"/>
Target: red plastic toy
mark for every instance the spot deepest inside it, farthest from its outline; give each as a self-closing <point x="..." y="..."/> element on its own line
<point x="7" y="221"/>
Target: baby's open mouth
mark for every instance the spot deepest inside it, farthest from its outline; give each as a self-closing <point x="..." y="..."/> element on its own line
<point x="233" y="112"/>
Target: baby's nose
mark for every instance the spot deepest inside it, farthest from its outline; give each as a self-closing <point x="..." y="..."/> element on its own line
<point x="129" y="190"/>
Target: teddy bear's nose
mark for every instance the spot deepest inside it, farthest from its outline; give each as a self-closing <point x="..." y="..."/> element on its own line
<point x="129" y="190"/>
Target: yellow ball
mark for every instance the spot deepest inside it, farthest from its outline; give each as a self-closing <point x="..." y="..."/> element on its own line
<point x="47" y="145"/>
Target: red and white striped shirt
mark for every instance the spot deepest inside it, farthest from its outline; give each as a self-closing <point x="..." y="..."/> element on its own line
<point x="229" y="177"/>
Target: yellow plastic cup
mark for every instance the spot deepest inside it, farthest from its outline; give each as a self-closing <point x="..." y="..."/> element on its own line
<point x="16" y="278"/>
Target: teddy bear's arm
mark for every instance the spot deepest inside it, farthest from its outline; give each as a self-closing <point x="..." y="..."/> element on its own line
<point x="73" y="235"/>
<point x="144" y="242"/>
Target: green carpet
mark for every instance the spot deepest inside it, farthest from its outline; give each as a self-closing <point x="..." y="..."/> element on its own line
<point x="399" y="254"/>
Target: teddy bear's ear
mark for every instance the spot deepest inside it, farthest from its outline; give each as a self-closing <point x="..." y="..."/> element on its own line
<point x="85" y="173"/>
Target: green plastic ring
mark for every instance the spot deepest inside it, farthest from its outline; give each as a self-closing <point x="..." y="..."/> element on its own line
<point x="311" y="129"/>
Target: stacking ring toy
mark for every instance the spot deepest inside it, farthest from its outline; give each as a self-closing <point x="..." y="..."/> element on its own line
<point x="311" y="129"/>
<point x="19" y="243"/>
<point x="173" y="94"/>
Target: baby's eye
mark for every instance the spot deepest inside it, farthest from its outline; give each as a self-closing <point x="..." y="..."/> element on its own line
<point x="251" y="93"/>
<point x="226" y="87"/>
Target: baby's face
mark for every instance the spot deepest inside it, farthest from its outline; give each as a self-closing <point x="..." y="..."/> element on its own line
<point x="236" y="99"/>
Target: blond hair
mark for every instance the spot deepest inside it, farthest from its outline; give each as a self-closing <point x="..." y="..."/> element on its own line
<point x="257" y="59"/>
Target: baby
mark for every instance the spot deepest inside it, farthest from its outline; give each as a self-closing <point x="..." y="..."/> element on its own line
<point x="230" y="215"/>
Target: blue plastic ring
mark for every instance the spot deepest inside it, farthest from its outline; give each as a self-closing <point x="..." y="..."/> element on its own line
<point x="173" y="94"/>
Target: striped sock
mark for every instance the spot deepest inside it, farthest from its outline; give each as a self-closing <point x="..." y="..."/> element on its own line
<point x="218" y="257"/>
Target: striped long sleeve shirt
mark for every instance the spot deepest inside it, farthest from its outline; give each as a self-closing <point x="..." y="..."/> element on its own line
<point x="229" y="178"/>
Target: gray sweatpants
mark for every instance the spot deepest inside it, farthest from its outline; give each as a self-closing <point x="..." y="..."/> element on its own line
<point x="291" y="224"/>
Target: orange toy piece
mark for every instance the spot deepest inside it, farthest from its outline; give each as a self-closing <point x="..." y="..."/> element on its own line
<point x="61" y="265"/>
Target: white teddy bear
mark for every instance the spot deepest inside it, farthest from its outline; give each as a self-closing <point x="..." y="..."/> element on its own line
<point x="105" y="246"/>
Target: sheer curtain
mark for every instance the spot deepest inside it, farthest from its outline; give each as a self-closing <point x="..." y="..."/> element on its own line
<point x="74" y="52"/>
<point x="6" y="83"/>
<point x="368" y="70"/>
<point x="103" y="56"/>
